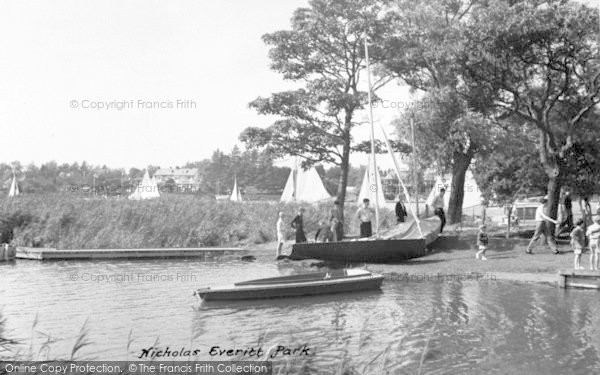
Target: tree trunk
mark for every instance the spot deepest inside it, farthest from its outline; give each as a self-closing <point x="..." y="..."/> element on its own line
<point x="553" y="192"/>
<point x="552" y="166"/>
<point x="460" y="164"/>
<point x="345" y="165"/>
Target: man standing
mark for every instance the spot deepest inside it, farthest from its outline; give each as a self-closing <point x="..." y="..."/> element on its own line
<point x="438" y="207"/>
<point x="365" y="215"/>
<point x="542" y="227"/>
<point x="298" y="225"/>
<point x="400" y="210"/>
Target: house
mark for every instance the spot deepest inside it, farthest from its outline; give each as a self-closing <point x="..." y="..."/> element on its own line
<point x="185" y="180"/>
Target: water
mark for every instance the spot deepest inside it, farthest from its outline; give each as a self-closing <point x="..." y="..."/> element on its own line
<point x="468" y="327"/>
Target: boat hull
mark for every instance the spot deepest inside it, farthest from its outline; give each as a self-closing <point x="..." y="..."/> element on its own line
<point x="371" y="251"/>
<point x="263" y="290"/>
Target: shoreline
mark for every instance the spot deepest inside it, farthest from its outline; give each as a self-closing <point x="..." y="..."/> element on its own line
<point x="453" y="256"/>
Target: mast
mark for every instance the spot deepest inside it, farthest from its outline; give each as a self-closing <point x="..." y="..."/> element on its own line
<point x="414" y="157"/>
<point x="374" y="171"/>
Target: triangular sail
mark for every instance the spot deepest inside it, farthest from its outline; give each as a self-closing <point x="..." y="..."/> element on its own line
<point x="304" y="186"/>
<point x="289" y="190"/>
<point x="397" y="167"/>
<point x="146" y="189"/>
<point x="472" y="197"/>
<point x="371" y="187"/>
<point x="236" y="196"/>
<point x="14" y="188"/>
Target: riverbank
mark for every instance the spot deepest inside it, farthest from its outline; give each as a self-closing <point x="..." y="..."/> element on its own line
<point x="65" y="221"/>
<point x="452" y="256"/>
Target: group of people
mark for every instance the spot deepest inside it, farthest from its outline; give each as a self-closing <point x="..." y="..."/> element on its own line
<point x="332" y="230"/>
<point x="583" y="236"/>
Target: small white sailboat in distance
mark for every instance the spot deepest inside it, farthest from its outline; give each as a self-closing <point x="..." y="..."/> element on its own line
<point x="14" y="188"/>
<point x="236" y="195"/>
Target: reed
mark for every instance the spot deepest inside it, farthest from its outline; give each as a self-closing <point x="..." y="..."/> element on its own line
<point x="72" y="222"/>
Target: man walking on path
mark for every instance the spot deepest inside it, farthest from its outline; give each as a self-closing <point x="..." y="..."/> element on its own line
<point x="542" y="227"/>
<point x="298" y="225"/>
<point x="438" y="207"/>
<point x="365" y="215"/>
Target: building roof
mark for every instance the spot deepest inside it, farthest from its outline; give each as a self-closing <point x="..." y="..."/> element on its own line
<point x="176" y="172"/>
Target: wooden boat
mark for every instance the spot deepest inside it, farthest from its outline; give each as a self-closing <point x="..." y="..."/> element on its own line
<point x="398" y="244"/>
<point x="336" y="281"/>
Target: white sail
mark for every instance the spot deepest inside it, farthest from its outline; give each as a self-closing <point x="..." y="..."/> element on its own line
<point x="472" y="195"/>
<point x="304" y="186"/>
<point x="289" y="191"/>
<point x="14" y="188"/>
<point x="371" y="187"/>
<point x="147" y="189"/>
<point x="236" y="196"/>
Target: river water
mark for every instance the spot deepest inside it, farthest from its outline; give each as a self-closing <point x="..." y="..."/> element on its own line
<point x="445" y="327"/>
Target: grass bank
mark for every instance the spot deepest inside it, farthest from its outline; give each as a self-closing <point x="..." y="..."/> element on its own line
<point x="70" y="222"/>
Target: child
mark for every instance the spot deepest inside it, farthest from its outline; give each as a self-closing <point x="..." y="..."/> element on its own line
<point x="482" y="242"/>
<point x="578" y="243"/>
<point x="593" y="234"/>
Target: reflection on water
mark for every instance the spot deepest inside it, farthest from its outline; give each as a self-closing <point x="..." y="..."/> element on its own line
<point x="451" y="327"/>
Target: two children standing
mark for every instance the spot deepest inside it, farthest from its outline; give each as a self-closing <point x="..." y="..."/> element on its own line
<point x="578" y="241"/>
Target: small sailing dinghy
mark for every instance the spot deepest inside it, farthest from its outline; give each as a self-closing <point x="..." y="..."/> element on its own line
<point x="335" y="281"/>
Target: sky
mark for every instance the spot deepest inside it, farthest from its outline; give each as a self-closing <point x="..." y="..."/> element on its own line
<point x="139" y="82"/>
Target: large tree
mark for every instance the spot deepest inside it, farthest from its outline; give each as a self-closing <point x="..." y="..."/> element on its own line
<point x="542" y="67"/>
<point x="324" y="53"/>
<point x="425" y="51"/>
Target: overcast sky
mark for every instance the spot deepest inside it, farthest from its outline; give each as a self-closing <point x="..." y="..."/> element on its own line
<point x="62" y="58"/>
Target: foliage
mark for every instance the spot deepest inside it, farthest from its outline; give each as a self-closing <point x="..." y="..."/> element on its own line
<point x="324" y="52"/>
<point x="542" y="67"/>
<point x="511" y="169"/>
<point x="71" y="222"/>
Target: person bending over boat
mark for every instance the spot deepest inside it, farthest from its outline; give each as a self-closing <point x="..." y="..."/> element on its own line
<point x="365" y="215"/>
<point x="438" y="208"/>
<point x="298" y="225"/>
<point x="324" y="233"/>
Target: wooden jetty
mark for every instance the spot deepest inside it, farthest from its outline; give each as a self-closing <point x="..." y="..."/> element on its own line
<point x="579" y="279"/>
<point x="37" y="253"/>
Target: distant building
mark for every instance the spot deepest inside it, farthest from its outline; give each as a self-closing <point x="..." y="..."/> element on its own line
<point x="185" y="180"/>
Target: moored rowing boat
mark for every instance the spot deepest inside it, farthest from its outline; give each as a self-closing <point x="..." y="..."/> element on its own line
<point x="336" y="281"/>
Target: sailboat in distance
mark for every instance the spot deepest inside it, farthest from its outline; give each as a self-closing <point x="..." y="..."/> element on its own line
<point x="14" y="188"/>
<point x="236" y="195"/>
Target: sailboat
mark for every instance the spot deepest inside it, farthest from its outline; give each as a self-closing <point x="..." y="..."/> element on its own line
<point x="304" y="186"/>
<point x="236" y="195"/>
<point x="14" y="188"/>
<point x="371" y="185"/>
<point x="147" y="189"/>
<point x="406" y="240"/>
